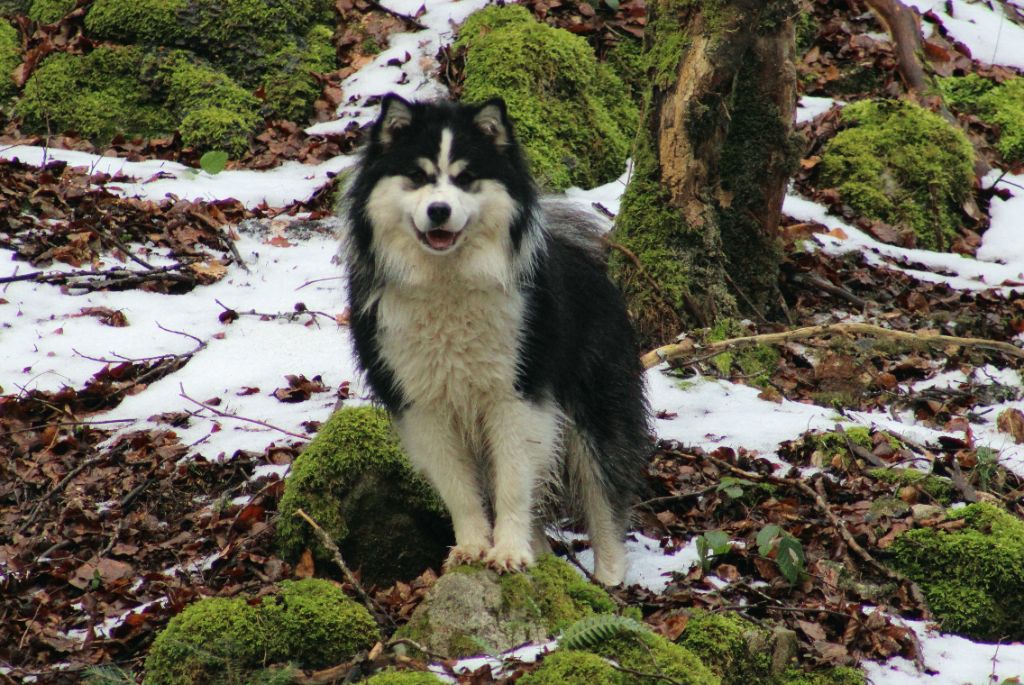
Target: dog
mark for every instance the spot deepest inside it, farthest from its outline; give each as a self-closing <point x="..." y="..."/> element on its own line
<point x="484" y="321"/>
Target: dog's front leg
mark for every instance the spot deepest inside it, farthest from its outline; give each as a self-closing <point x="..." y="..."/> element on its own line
<point x="521" y="436"/>
<point x="436" y="449"/>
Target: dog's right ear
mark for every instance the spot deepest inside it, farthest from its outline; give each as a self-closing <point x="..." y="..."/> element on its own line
<point x="395" y="114"/>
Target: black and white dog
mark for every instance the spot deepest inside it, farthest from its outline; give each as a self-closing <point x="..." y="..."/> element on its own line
<point x="485" y="322"/>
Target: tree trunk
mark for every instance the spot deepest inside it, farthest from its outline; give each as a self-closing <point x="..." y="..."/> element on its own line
<point x="696" y="236"/>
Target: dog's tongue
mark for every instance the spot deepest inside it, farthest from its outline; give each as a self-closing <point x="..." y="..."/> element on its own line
<point x="440" y="239"/>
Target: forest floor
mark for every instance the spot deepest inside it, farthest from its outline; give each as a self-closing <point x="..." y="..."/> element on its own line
<point x="172" y="338"/>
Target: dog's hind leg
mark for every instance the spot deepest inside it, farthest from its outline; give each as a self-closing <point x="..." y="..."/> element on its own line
<point x="606" y="523"/>
<point x="436" y="449"/>
<point x="521" y="438"/>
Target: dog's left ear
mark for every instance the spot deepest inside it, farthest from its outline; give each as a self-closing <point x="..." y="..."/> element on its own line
<point x="492" y="119"/>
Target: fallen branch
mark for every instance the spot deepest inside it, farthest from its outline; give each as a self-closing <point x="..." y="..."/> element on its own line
<point x="58" y="488"/>
<point x="688" y="348"/>
<point x="382" y="617"/>
<point x="102" y="279"/>
<point x="229" y="415"/>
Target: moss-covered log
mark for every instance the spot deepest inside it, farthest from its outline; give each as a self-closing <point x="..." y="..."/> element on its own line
<point x="699" y="218"/>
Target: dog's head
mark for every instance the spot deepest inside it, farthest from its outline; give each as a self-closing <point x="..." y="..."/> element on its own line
<point x="444" y="176"/>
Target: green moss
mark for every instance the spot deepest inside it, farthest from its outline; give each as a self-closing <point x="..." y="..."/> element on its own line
<point x="573" y="115"/>
<point x="354" y="478"/>
<point x="1001" y="105"/>
<point x="571" y="667"/>
<point x="664" y="52"/>
<point x="267" y="44"/>
<point x="10" y="58"/>
<point x="723" y="642"/>
<point x="289" y="88"/>
<point x="937" y="488"/>
<point x="676" y="256"/>
<point x="626" y="59"/>
<point x="919" y="183"/>
<point x="756" y="363"/>
<point x="124" y="90"/>
<point x="98" y="95"/>
<point x="49" y="11"/>
<point x="806" y="31"/>
<point x="650" y="653"/>
<point x="403" y="678"/>
<point x="972" y="577"/>
<point x="315" y="624"/>
<point x="212" y="636"/>
<point x="227" y="641"/>
<point x="831" y="448"/>
<point x="552" y="591"/>
<point x="840" y="675"/>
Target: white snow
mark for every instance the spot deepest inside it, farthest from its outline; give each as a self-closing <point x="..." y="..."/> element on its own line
<point x="999" y="268"/>
<point x="950" y="660"/>
<point x="983" y="27"/>
<point x="158" y="179"/>
<point x="412" y="77"/>
<point x="809" y="106"/>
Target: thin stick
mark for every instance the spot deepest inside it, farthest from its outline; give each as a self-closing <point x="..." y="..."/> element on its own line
<point x="687" y="348"/>
<point x="383" y="618"/>
<point x="58" y="487"/>
<point x="229" y="415"/>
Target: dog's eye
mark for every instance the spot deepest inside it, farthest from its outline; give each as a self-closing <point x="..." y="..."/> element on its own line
<point x="418" y="177"/>
<point x="465" y="179"/>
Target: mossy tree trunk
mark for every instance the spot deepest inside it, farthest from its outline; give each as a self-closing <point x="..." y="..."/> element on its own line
<point x="697" y="233"/>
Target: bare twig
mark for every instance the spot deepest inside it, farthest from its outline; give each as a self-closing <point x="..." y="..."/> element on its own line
<point x="382" y="617"/>
<point x="229" y="415"/>
<point x="687" y="348"/>
<point x="31" y="518"/>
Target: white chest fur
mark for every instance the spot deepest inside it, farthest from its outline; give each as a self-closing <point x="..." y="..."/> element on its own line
<point x="450" y="346"/>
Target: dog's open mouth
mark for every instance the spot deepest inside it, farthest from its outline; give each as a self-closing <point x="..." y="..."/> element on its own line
<point x="439" y="239"/>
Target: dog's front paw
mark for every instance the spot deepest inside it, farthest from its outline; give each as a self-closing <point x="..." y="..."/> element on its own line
<point x="509" y="559"/>
<point x="460" y="555"/>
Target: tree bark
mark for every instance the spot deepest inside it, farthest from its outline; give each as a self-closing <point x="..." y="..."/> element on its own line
<point x="712" y="158"/>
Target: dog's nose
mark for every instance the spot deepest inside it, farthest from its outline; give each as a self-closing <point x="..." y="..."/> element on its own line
<point x="438" y="212"/>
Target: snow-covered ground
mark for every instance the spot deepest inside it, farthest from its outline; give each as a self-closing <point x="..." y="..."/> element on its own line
<point x="46" y="344"/>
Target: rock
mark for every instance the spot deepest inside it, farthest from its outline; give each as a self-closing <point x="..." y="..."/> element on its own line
<point x="217" y="640"/>
<point x="971" y="569"/>
<point x="472" y="610"/>
<point x="355" y="481"/>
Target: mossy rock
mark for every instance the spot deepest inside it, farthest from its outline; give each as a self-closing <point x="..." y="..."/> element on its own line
<point x="124" y="90"/>
<point x="98" y="95"/>
<point x="10" y="58"/>
<point x="472" y="610"/>
<point x="999" y="104"/>
<point x="403" y="678"/>
<point x="649" y="653"/>
<point x="242" y="37"/>
<point x="49" y="11"/>
<point x="972" y="577"/>
<point x="902" y="164"/>
<point x="735" y="649"/>
<point x="355" y="481"/>
<point x="220" y="641"/>
<point x="573" y="115"/>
